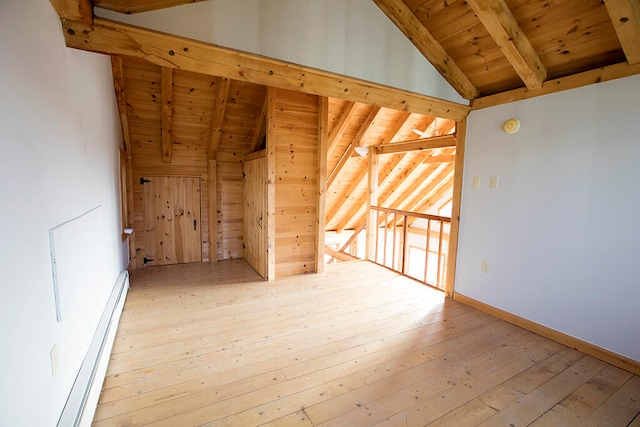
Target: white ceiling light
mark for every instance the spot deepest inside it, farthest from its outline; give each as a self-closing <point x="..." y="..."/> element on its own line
<point x="362" y="151"/>
<point x="511" y="126"/>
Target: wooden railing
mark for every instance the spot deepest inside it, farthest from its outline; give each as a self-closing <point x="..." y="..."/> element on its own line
<point x="412" y="243"/>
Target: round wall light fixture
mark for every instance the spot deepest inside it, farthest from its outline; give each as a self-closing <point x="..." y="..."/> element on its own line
<point x="511" y="126"/>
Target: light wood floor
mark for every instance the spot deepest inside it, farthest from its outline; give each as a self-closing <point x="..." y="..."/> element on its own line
<point x="211" y="344"/>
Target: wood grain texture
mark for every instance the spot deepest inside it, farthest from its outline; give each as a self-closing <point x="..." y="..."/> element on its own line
<point x="212" y="344"/>
<point x="171" y="51"/>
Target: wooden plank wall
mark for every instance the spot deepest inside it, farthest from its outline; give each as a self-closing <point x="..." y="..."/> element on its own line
<point x="193" y="103"/>
<point x="295" y="135"/>
<point x="189" y="155"/>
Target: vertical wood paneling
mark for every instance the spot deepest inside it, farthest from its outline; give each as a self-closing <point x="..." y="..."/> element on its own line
<point x="295" y="136"/>
<point x="255" y="214"/>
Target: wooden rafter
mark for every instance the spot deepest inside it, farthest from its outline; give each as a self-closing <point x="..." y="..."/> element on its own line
<point x="512" y="41"/>
<point x="261" y="129"/>
<point x="625" y="16"/>
<point x="401" y="190"/>
<point x="137" y="6"/>
<point x="400" y="14"/>
<point x="433" y="192"/>
<point x="167" y="113"/>
<point x="75" y="10"/>
<point x="339" y="255"/>
<point x="218" y="116"/>
<point x="356" y="142"/>
<point x="115" y="38"/>
<point x="347" y="193"/>
<point x="121" y="99"/>
<point x="444" y="141"/>
<point x="397" y="125"/>
<point x="586" y="78"/>
<point x="444" y="158"/>
<point x="341" y="126"/>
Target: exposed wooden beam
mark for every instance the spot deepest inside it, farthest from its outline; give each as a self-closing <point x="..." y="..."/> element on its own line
<point x="402" y="16"/>
<point x="118" y="84"/>
<point x="321" y="215"/>
<point x="167" y="113"/>
<point x="346" y="194"/>
<point x="213" y="210"/>
<point x="137" y="6"/>
<point x="372" y="201"/>
<point x="341" y="126"/>
<point x="397" y="125"/>
<point x="445" y="158"/>
<point x="218" y="116"/>
<point x="497" y="18"/>
<point x="403" y="189"/>
<point x="444" y="141"/>
<point x="461" y="129"/>
<point x="357" y="142"/>
<point x="271" y="183"/>
<point x="339" y="255"/>
<point x="625" y="16"/>
<point x="341" y="164"/>
<point x="115" y="38"/>
<point x="436" y="186"/>
<point x="360" y="137"/>
<point x="261" y="129"/>
<point x="75" y="10"/>
<point x="586" y="78"/>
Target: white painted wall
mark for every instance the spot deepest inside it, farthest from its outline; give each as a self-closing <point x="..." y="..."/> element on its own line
<point x="561" y="230"/>
<point x="59" y="136"/>
<point x="351" y="37"/>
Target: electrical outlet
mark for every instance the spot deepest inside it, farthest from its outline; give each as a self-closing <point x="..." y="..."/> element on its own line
<point x="486" y="265"/>
<point x="54" y="360"/>
<point x="476" y="182"/>
<point x="493" y="182"/>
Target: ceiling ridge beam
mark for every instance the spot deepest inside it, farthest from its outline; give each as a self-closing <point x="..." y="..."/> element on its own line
<point x="167" y="113"/>
<point x="402" y="16"/>
<point x="598" y="75"/>
<point x="625" y="16"/>
<point x="497" y="18"/>
<point x="217" y="119"/>
<point x="115" y="38"/>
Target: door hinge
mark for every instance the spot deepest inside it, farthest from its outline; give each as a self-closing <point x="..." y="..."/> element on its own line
<point x="146" y="260"/>
<point x="142" y="180"/>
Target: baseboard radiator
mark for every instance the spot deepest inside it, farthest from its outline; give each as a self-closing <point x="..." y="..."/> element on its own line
<point x="84" y="394"/>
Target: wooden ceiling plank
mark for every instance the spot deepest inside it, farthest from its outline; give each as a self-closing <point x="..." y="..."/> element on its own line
<point x="366" y="126"/>
<point x="443" y="141"/>
<point x="347" y="193"/>
<point x="402" y="16"/>
<point x="137" y="6"/>
<point x="445" y="158"/>
<point x="115" y="38"/>
<point x="218" y="116"/>
<point x="167" y="113"/>
<point x="75" y="10"/>
<point x="397" y="126"/>
<point x="586" y="78"/>
<point x="261" y="129"/>
<point x="405" y="187"/>
<point x="497" y="18"/>
<point x="118" y="84"/>
<point x="341" y="164"/>
<point x="356" y="142"/>
<point x="625" y="16"/>
<point x="437" y="186"/>
<point x="341" y="126"/>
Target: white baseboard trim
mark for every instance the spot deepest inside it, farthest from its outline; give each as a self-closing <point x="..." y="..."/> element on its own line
<point x="81" y="404"/>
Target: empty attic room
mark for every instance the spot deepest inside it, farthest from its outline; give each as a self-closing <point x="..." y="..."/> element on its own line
<point x="302" y="213"/>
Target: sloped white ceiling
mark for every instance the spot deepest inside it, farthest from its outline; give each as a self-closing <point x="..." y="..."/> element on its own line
<point x="346" y="37"/>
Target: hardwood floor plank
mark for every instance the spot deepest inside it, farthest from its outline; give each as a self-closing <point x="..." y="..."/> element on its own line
<point x="529" y="407"/>
<point x="622" y="408"/>
<point x="358" y="345"/>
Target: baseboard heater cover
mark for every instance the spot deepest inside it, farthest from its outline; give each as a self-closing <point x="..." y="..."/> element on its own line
<point x="77" y="400"/>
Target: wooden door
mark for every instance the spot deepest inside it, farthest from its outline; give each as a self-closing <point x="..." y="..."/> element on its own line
<point x="172" y="232"/>
<point x="255" y="214"/>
